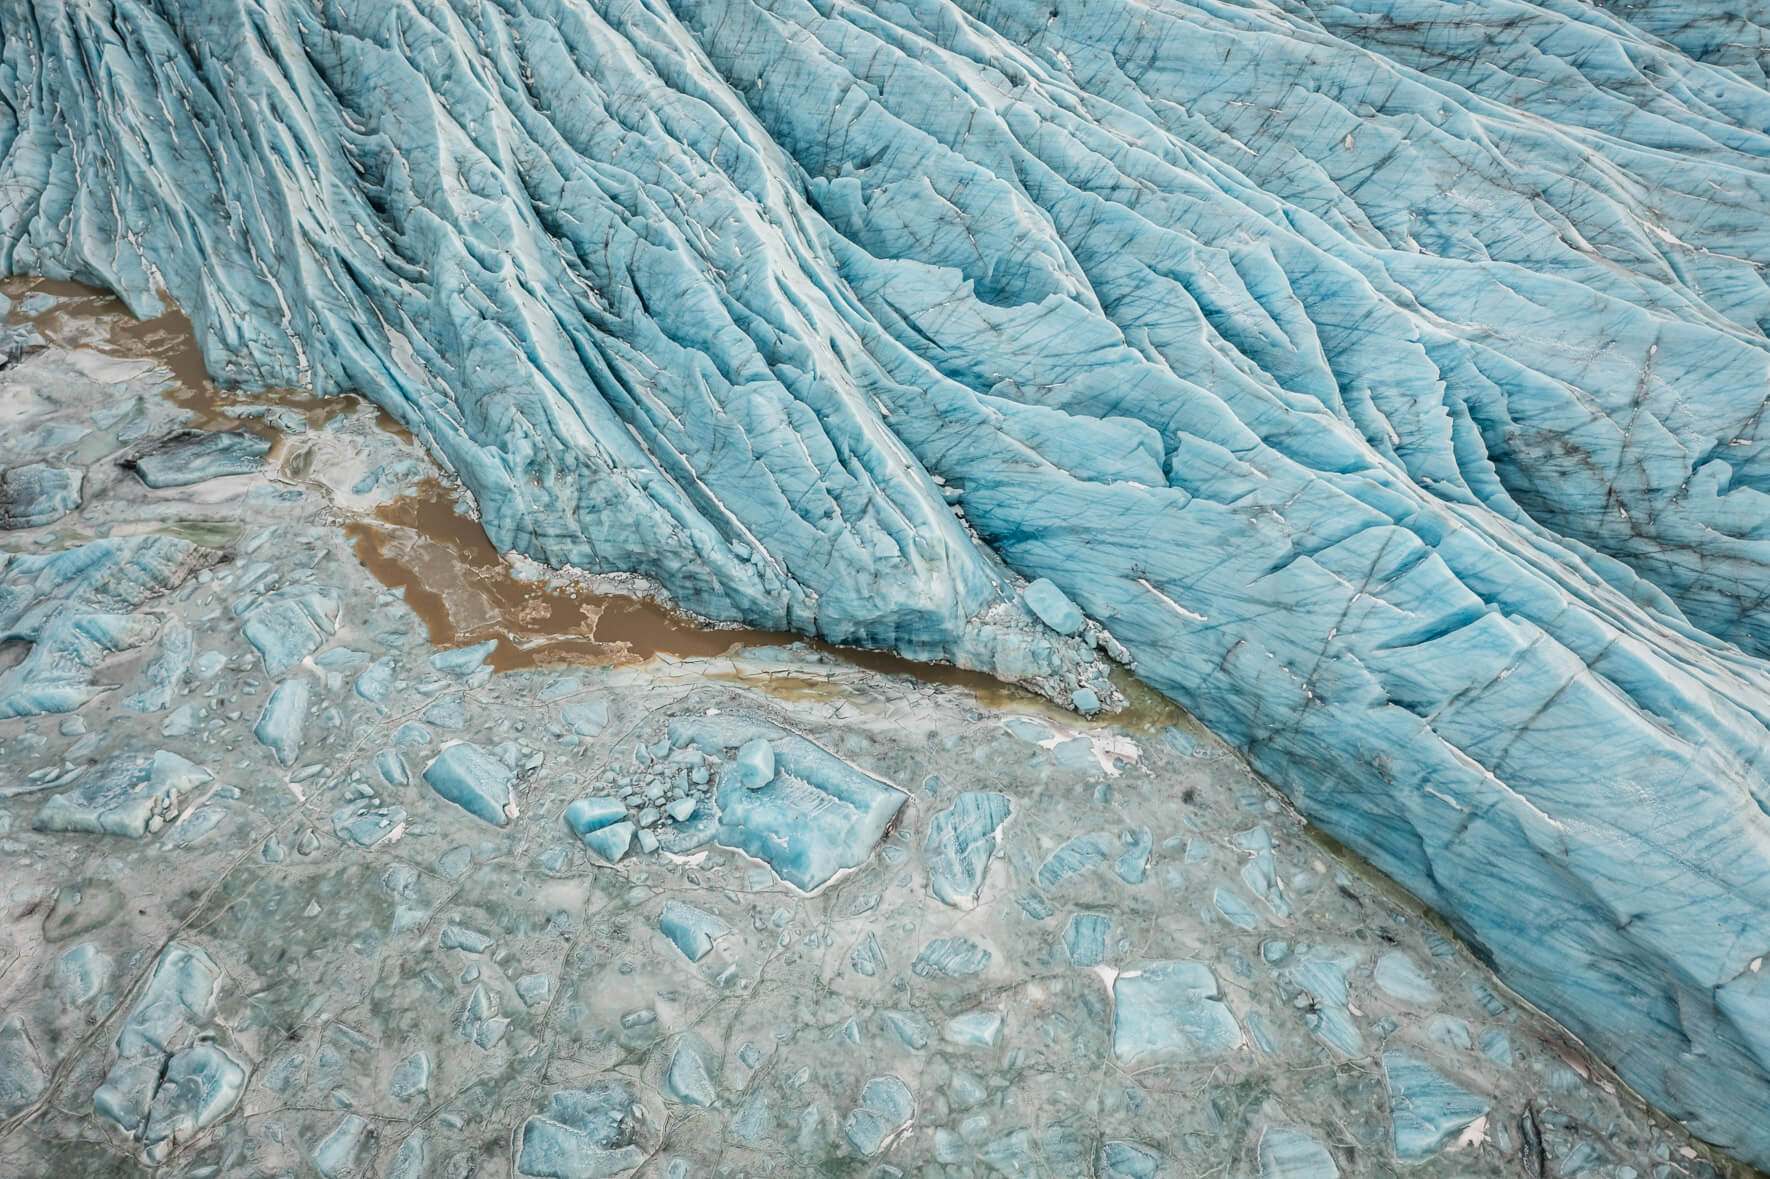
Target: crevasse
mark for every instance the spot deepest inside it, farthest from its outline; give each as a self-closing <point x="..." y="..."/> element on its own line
<point x="1388" y="376"/>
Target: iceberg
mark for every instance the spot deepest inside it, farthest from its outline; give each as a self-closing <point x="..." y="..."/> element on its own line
<point x="1386" y="380"/>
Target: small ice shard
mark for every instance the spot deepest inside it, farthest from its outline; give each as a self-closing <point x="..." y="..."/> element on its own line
<point x="1400" y="977"/>
<point x="338" y="1154"/>
<point x="411" y="1077"/>
<point x="1292" y="1154"/>
<point x="950" y="957"/>
<point x="593" y="1133"/>
<point x="475" y="781"/>
<point x="193" y="456"/>
<point x="755" y="764"/>
<point x="1170" y="1011"/>
<point x="33" y="496"/>
<point x="961" y="840"/>
<point x="886" y="1107"/>
<point x="692" y="930"/>
<point x="1426" y="1111"/>
<point x="1073" y="858"/>
<point x="22" y="1077"/>
<point x="587" y="718"/>
<point x="280" y="725"/>
<point x="682" y="810"/>
<point x="1086" y="701"/>
<point x="128" y="795"/>
<point x="689" y="1078"/>
<point x="592" y="814"/>
<point x="815" y="817"/>
<point x="156" y="1094"/>
<point x="1085" y="939"/>
<point x="1053" y="606"/>
<point x="611" y="843"/>
<point x="976" y="1029"/>
<point x="288" y="625"/>
<point x="463" y="661"/>
<point x="1260" y="873"/>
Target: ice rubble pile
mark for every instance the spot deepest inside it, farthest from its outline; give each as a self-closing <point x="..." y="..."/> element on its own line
<point x="1388" y="376"/>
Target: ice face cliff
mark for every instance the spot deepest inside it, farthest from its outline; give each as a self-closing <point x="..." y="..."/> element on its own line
<point x="1389" y="377"/>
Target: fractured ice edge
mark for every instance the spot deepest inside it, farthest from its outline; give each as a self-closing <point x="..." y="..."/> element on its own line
<point x="292" y="890"/>
<point x="1387" y="377"/>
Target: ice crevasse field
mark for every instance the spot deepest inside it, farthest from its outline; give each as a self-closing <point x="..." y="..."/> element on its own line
<point x="1383" y="380"/>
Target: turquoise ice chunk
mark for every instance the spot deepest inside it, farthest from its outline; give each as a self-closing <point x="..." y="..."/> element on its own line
<point x="475" y="781"/>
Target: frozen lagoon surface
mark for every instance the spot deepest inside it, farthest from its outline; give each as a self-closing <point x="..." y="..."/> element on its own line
<point x="1386" y="378"/>
<point x="373" y="931"/>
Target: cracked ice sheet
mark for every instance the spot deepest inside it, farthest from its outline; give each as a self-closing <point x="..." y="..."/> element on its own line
<point x="503" y="984"/>
<point x="1390" y="375"/>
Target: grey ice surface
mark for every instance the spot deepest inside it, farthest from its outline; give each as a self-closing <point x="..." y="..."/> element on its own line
<point x="253" y="931"/>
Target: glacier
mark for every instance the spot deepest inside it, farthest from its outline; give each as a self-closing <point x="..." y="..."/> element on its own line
<point x="1386" y="377"/>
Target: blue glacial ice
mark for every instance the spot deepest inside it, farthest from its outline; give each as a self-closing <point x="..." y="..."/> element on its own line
<point x="1388" y="379"/>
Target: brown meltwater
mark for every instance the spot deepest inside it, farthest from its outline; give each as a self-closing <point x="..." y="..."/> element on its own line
<point x="463" y="589"/>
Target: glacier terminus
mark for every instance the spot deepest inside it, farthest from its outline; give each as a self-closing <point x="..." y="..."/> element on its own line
<point x="1384" y="382"/>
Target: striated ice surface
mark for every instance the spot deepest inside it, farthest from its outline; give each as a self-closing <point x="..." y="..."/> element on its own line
<point x="328" y="967"/>
<point x="1388" y="377"/>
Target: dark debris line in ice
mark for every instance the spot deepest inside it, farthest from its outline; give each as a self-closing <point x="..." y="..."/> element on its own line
<point x="1390" y="377"/>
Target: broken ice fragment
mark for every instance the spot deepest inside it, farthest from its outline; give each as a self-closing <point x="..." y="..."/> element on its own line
<point x="689" y="1079"/>
<point x="410" y="1077"/>
<point x="1292" y="1154"/>
<point x="1053" y="606"/>
<point x="1399" y="976"/>
<point x="289" y="625"/>
<point x="339" y="1152"/>
<point x="463" y="661"/>
<point x="200" y="1084"/>
<point x="978" y="1029"/>
<point x="755" y="764"/>
<point x="816" y="816"/>
<point x="960" y="842"/>
<point x="613" y="842"/>
<point x="886" y="1106"/>
<point x="592" y="814"/>
<point x="1425" y="1110"/>
<point x="22" y="1076"/>
<point x="1085" y="939"/>
<point x="587" y="718"/>
<point x="1126" y="1160"/>
<point x="159" y="1095"/>
<point x="193" y="456"/>
<point x="692" y="930"/>
<point x="82" y="974"/>
<point x="593" y="1133"/>
<point x="160" y="678"/>
<point x="475" y="781"/>
<point x="950" y="957"/>
<point x="280" y="724"/>
<point x="1073" y="858"/>
<point x="1170" y="1011"/>
<point x="33" y="496"/>
<point x="128" y="795"/>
